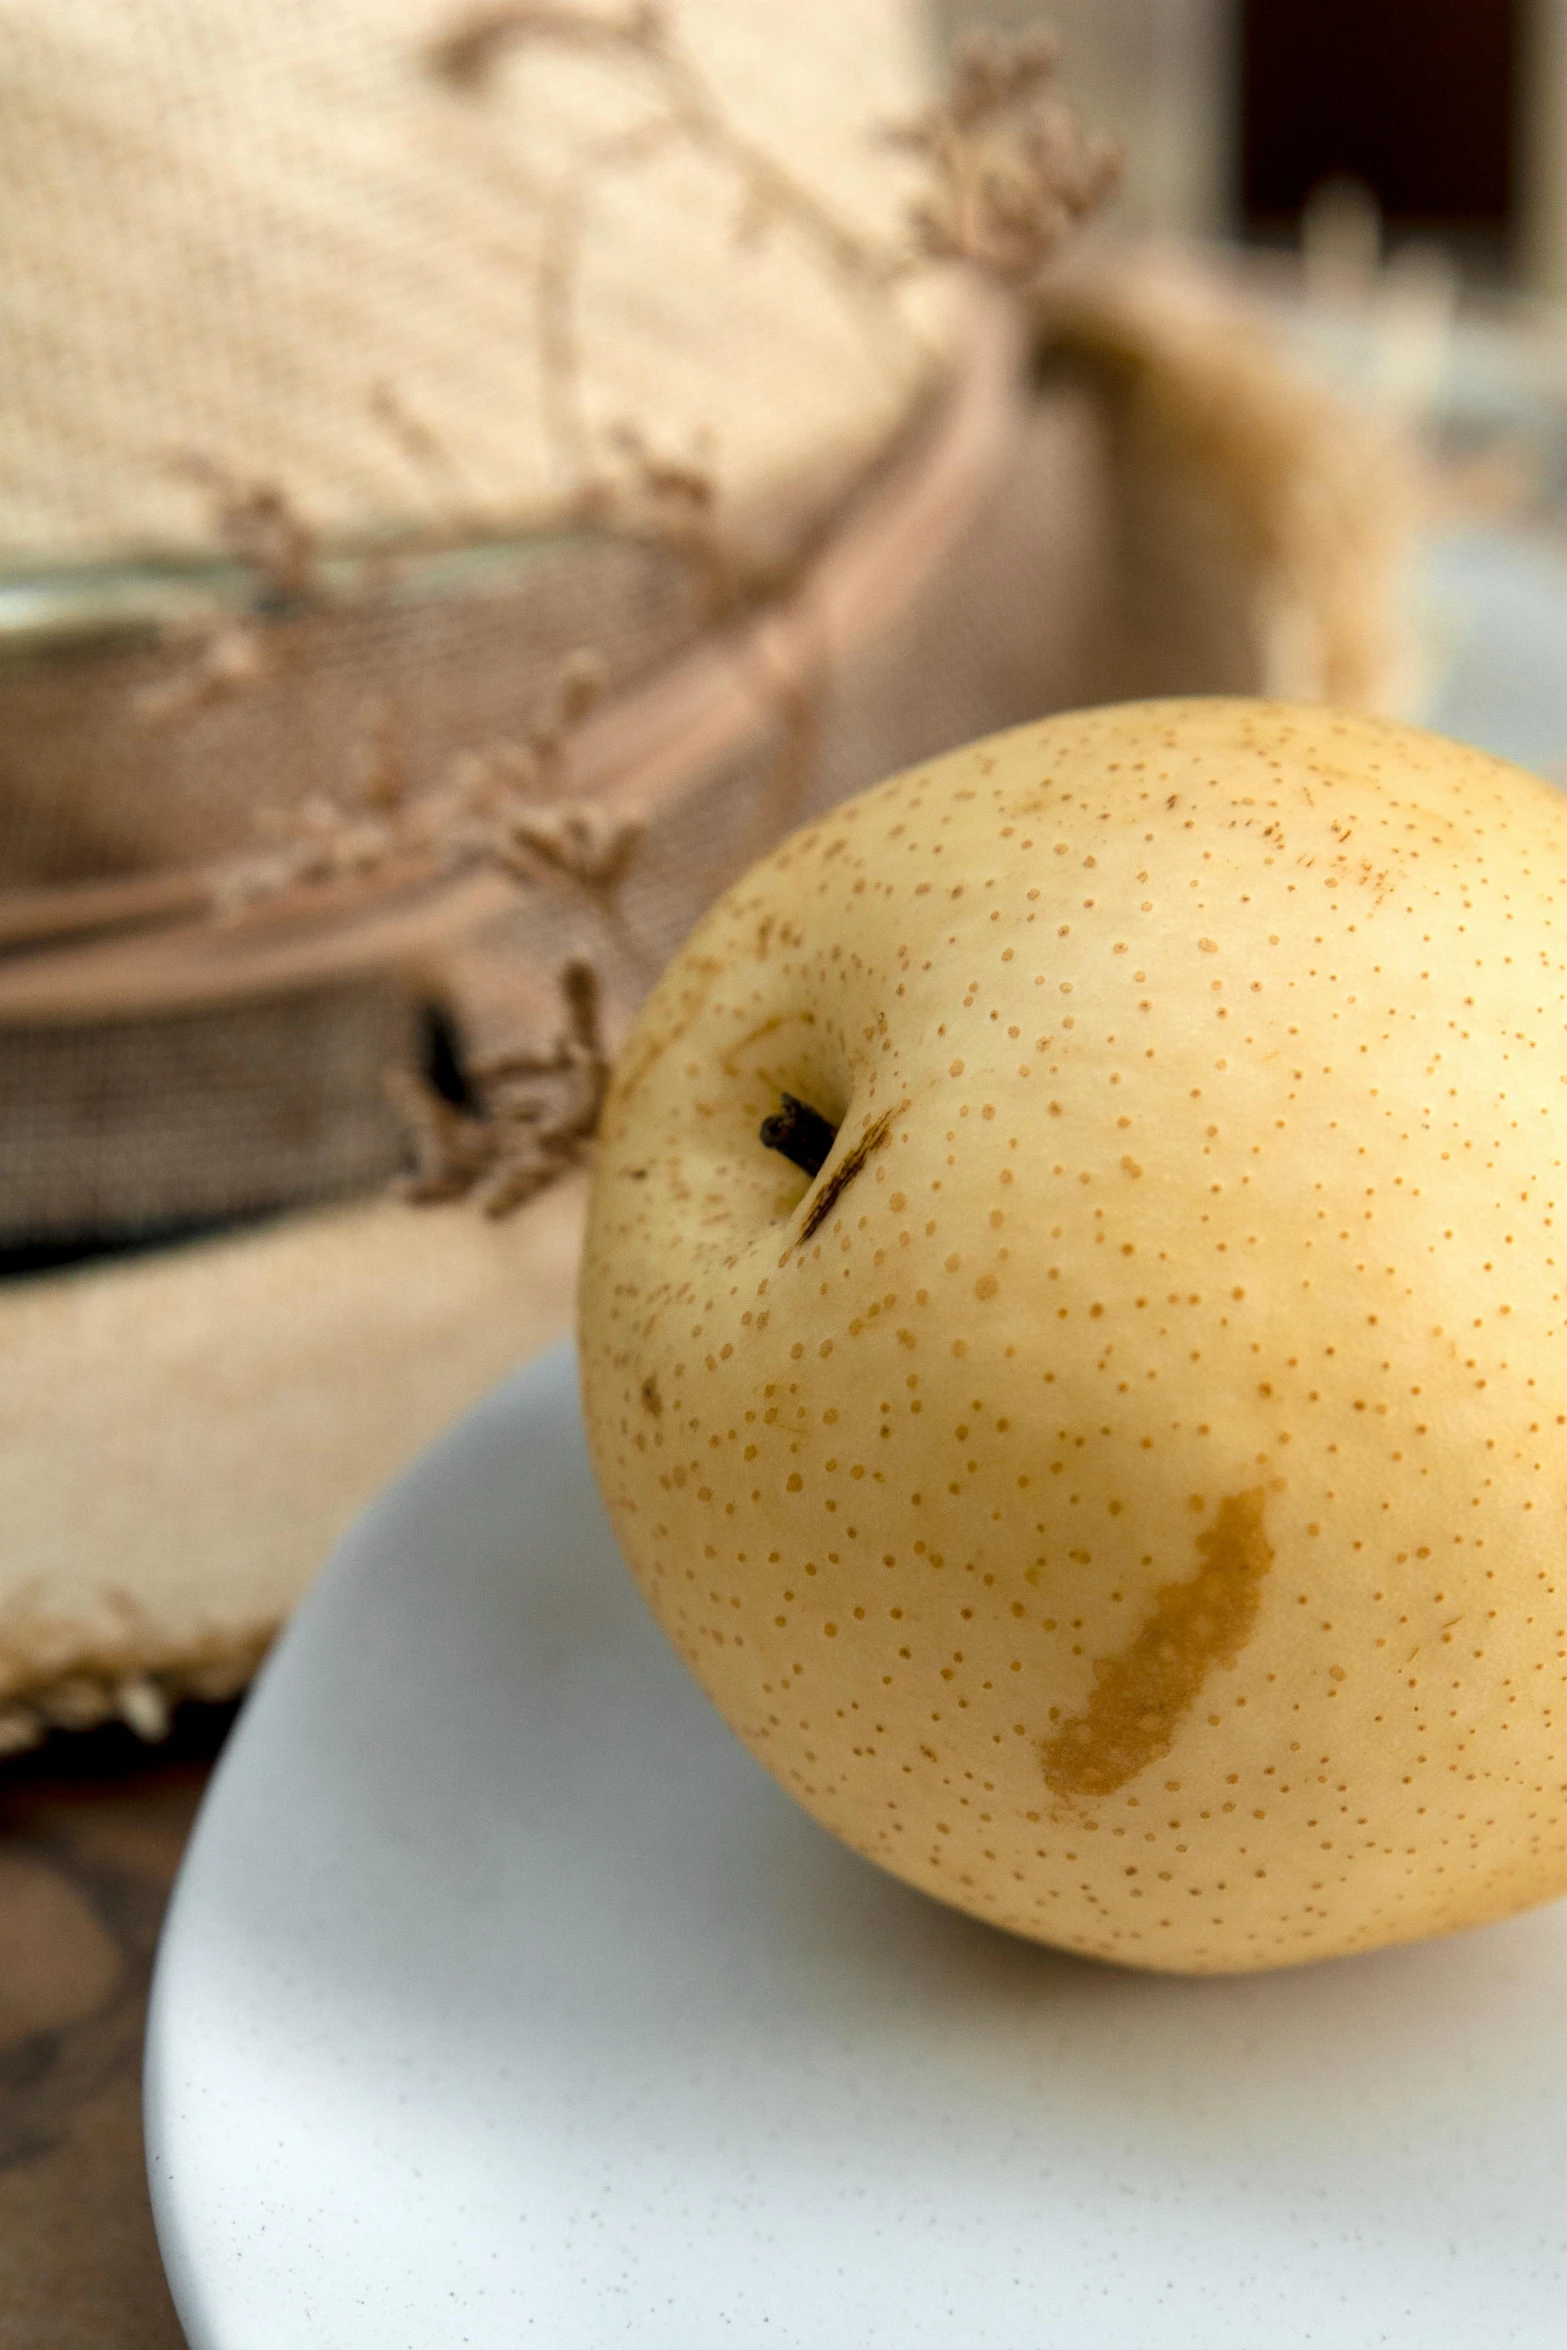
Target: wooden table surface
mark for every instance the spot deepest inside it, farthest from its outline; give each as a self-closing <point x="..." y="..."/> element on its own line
<point x="91" y="1831"/>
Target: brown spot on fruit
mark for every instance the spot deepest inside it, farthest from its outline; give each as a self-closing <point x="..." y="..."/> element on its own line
<point x="652" y="1401"/>
<point x="1140" y="1698"/>
<point x="842" y="1176"/>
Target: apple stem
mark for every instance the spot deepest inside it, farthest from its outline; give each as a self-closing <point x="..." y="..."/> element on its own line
<point x="802" y="1134"/>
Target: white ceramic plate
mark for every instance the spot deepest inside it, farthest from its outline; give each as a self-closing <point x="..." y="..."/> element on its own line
<point x="505" y="2000"/>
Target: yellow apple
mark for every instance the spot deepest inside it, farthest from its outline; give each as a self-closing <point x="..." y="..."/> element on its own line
<point x="1123" y="1492"/>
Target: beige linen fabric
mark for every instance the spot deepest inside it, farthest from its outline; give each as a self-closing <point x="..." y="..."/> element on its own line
<point x="233" y="231"/>
<point x="183" y="1436"/>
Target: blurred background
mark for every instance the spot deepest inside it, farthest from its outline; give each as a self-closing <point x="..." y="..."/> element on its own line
<point x="1394" y="180"/>
<point x="1235" y="113"/>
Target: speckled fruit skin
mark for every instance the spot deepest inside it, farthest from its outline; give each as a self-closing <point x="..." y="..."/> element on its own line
<point x="1131" y="1505"/>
